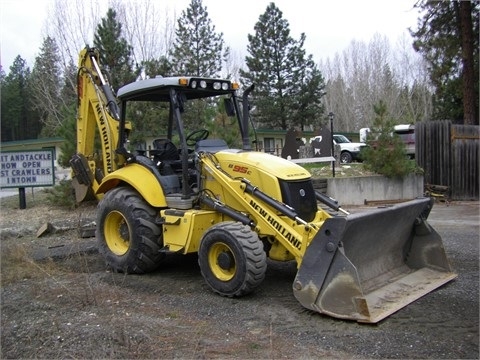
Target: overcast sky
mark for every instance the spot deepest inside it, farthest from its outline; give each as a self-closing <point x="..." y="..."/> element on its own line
<point x="329" y="25"/>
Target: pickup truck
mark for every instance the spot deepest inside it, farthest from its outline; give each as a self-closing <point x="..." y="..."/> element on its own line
<point x="349" y="151"/>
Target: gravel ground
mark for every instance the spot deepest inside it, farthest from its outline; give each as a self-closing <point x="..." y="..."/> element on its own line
<point x="58" y="300"/>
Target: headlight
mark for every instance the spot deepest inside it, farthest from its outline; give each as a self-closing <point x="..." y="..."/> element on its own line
<point x="203" y="84"/>
<point x="194" y="84"/>
<point x="217" y="86"/>
<point x="225" y="86"/>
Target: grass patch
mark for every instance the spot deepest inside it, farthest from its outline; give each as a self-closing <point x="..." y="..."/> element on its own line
<point x="17" y="265"/>
<point x="33" y="197"/>
<point x="60" y="195"/>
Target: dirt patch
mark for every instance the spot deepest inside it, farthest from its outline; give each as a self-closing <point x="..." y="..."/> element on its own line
<point x="70" y="306"/>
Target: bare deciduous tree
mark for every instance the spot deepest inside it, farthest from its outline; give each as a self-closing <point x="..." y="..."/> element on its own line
<point x="365" y="74"/>
<point x="148" y="26"/>
<point x="148" y="29"/>
<point x="412" y="74"/>
<point x="72" y="24"/>
<point x="232" y="65"/>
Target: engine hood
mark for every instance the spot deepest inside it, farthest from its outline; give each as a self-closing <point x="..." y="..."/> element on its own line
<point x="239" y="162"/>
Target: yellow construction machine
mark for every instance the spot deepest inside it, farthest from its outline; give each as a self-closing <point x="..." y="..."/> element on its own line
<point x="237" y="207"/>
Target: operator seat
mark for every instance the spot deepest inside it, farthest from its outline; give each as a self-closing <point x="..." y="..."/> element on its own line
<point x="165" y="154"/>
<point x="164" y="149"/>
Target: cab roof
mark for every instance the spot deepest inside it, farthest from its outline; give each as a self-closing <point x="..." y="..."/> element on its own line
<point x="158" y="88"/>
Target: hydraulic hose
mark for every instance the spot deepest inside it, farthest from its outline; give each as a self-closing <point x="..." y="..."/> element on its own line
<point x="283" y="208"/>
<point x="224" y="209"/>
<point x="331" y="203"/>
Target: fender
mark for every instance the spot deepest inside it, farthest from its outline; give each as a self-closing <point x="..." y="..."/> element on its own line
<point x="141" y="179"/>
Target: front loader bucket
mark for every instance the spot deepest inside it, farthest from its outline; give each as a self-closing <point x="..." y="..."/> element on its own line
<point x="366" y="266"/>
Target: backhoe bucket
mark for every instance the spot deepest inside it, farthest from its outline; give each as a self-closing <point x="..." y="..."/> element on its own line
<point x="366" y="266"/>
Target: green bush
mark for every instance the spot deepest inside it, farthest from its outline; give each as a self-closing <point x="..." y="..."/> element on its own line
<point x="62" y="194"/>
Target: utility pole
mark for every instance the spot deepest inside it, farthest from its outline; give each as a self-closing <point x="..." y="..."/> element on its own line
<point x="331" y="116"/>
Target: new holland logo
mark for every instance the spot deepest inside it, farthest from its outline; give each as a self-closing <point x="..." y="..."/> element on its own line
<point x="279" y="227"/>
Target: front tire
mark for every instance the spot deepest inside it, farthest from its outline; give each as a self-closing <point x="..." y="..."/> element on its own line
<point x="346" y="157"/>
<point x="127" y="235"/>
<point x="232" y="259"/>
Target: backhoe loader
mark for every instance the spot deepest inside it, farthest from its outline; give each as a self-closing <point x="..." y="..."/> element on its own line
<point x="236" y="208"/>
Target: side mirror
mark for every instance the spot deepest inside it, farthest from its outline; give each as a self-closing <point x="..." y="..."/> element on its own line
<point x="229" y="108"/>
<point x="181" y="98"/>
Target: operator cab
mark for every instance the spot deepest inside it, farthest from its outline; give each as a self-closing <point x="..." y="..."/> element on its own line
<point x="174" y="92"/>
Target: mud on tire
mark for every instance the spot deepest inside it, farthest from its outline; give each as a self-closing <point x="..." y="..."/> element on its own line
<point x="127" y="236"/>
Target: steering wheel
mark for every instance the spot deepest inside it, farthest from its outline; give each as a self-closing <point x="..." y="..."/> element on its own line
<point x="196" y="136"/>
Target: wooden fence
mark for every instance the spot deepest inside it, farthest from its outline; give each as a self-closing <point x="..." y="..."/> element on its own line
<point x="449" y="155"/>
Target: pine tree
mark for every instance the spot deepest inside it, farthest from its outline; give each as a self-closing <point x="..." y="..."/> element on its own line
<point x="115" y="52"/>
<point x="116" y="60"/>
<point x="198" y="50"/>
<point x="307" y="91"/>
<point x="161" y="66"/>
<point x="288" y="86"/>
<point x="448" y="38"/>
<point x="385" y="153"/>
<point x="46" y="87"/>
<point x="68" y="128"/>
<point x="18" y="120"/>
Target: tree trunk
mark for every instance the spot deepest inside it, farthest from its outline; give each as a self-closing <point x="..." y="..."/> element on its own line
<point x="468" y="72"/>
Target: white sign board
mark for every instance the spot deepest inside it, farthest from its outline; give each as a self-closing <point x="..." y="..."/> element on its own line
<point x="28" y="168"/>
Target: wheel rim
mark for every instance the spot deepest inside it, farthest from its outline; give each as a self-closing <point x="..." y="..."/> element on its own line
<point x="221" y="261"/>
<point x="117" y="233"/>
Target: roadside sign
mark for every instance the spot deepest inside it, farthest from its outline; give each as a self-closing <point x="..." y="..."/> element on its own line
<point x="28" y="168"/>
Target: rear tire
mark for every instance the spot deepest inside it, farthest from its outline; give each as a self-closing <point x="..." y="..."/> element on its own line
<point x="232" y="259"/>
<point x="127" y="235"/>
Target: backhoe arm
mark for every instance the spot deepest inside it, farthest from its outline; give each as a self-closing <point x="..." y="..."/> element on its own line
<point x="97" y="128"/>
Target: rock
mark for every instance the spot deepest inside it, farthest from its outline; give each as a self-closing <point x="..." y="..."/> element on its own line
<point x="46" y="228"/>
